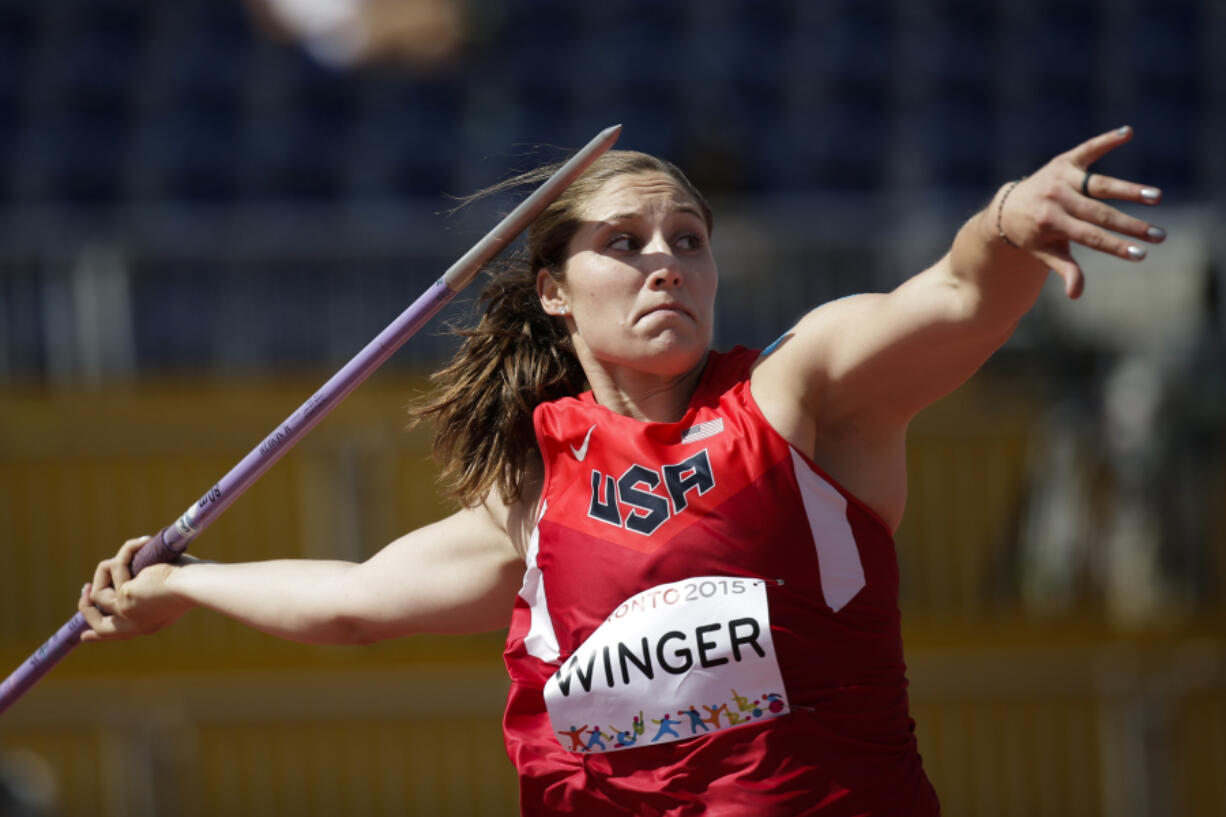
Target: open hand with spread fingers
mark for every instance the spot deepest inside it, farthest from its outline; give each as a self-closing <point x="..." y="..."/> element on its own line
<point x="1065" y="202"/>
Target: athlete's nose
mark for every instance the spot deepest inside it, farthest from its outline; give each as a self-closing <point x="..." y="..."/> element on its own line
<point x="665" y="277"/>
<point x="666" y="272"/>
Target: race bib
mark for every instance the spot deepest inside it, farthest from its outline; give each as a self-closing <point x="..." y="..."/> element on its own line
<point x="676" y="661"/>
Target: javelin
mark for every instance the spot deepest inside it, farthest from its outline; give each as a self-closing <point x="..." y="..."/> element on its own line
<point x="173" y="539"/>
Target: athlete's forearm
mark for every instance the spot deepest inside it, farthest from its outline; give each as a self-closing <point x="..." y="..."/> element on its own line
<point x="296" y="599"/>
<point x="1000" y="283"/>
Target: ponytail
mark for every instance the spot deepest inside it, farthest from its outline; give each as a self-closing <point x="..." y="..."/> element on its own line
<point x="514" y="359"/>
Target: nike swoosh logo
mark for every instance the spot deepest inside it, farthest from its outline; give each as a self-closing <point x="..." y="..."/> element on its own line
<point x="581" y="452"/>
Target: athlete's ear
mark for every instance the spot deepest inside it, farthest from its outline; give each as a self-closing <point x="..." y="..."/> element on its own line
<point x="553" y="299"/>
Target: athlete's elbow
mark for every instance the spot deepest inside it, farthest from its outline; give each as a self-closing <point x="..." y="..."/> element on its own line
<point x="986" y="306"/>
<point x="344" y="629"/>
<point x="975" y="314"/>
<point x="336" y="629"/>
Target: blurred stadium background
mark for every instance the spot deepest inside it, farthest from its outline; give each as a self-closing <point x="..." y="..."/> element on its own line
<point x="206" y="207"/>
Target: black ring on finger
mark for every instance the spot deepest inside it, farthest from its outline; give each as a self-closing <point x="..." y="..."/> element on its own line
<point x="1085" y="185"/>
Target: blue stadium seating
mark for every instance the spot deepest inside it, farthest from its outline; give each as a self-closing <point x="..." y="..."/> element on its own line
<point x="186" y="101"/>
<point x="108" y="103"/>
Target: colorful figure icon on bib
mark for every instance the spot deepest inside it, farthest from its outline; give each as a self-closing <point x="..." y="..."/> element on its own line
<point x="743" y="704"/>
<point x="597" y="738"/>
<point x="666" y="727"/>
<point x="625" y="737"/>
<point x="576" y="745"/>
<point x="713" y="714"/>
<point x="695" y="720"/>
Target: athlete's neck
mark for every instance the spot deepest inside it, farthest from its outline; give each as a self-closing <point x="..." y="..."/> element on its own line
<point x="646" y="396"/>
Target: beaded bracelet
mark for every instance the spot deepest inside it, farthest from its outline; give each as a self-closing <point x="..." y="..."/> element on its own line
<point x="1000" y="209"/>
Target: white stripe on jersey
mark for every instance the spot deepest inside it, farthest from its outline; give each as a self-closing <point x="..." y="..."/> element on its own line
<point x="541" y="641"/>
<point x="838" y="557"/>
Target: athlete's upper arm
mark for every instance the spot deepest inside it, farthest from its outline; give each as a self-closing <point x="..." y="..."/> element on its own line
<point x="873" y="361"/>
<point x="459" y="574"/>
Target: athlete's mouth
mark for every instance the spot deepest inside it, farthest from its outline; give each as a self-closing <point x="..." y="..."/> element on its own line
<point x="667" y="307"/>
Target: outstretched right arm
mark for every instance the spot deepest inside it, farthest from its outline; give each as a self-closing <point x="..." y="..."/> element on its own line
<point x="459" y="574"/>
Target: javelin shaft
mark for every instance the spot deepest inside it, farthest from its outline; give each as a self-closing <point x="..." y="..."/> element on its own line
<point x="174" y="539"/>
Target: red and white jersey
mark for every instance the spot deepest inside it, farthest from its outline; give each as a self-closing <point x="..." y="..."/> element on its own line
<point x="708" y="624"/>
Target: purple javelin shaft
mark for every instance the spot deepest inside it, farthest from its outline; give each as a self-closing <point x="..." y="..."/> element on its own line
<point x="174" y="539"/>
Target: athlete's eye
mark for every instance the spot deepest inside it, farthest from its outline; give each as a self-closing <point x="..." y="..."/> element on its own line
<point x="690" y="241"/>
<point x="623" y="243"/>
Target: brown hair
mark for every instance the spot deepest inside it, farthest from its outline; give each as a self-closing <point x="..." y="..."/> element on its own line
<point x="518" y="357"/>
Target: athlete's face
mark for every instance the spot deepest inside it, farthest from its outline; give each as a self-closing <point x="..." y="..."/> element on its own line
<point x="639" y="284"/>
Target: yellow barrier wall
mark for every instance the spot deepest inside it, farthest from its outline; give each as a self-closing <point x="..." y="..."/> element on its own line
<point x="1014" y="716"/>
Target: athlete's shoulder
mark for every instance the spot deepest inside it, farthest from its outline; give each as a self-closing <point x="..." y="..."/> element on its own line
<point x="733" y="364"/>
<point x="559" y="417"/>
<point x="724" y="370"/>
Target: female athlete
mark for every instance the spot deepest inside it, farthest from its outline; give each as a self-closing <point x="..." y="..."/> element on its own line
<point x="693" y="549"/>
